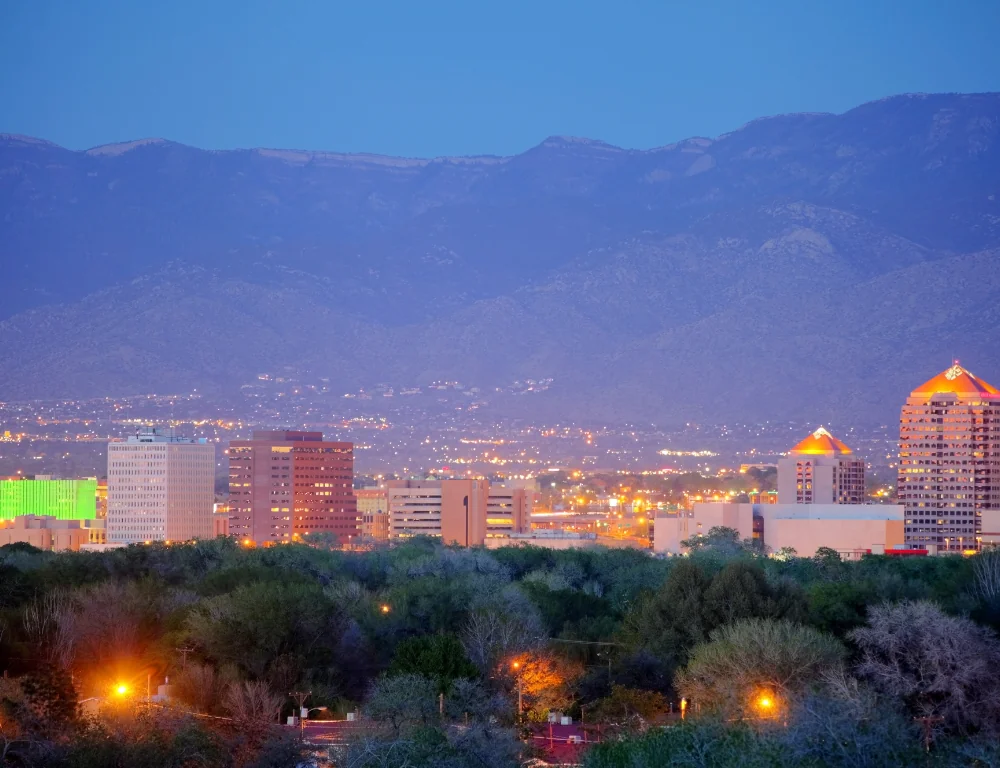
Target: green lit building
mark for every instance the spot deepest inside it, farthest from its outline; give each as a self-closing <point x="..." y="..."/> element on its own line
<point x="62" y="499"/>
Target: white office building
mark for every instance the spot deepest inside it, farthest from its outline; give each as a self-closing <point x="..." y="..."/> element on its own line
<point x="160" y="488"/>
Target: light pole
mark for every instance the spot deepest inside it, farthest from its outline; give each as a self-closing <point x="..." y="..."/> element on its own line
<point x="300" y="697"/>
<point x="516" y="666"/>
<point x="303" y="716"/>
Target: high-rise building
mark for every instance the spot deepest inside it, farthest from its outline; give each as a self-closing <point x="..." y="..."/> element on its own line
<point x="284" y="483"/>
<point x="949" y="459"/>
<point x="463" y="512"/>
<point x="160" y="488"/>
<point x="821" y="470"/>
<point x="41" y="495"/>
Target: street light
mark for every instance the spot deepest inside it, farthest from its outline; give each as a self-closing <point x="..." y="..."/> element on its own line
<point x="303" y="716"/>
<point x="385" y="608"/>
<point x="516" y="666"/>
<point x="121" y="689"/>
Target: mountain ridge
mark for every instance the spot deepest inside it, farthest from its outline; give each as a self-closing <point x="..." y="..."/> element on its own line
<point x="569" y="260"/>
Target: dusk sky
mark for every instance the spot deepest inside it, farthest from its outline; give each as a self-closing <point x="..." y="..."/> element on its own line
<point x="435" y="78"/>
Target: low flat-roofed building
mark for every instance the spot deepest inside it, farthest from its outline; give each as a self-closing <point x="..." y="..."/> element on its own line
<point x="851" y="529"/>
<point x="458" y="511"/>
<point x="990" y="522"/>
<point x="52" y="534"/>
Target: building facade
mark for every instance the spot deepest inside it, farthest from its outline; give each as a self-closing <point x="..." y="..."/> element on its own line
<point x="373" y="509"/>
<point x="285" y="483"/>
<point x="821" y="470"/>
<point x="850" y="529"/>
<point x="52" y="534"/>
<point x="949" y="459"/>
<point x="41" y="495"/>
<point x="462" y="512"/>
<point x="160" y="488"/>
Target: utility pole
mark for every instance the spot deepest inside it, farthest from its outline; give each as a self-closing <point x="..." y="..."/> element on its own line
<point x="300" y="697"/>
<point x="184" y="650"/>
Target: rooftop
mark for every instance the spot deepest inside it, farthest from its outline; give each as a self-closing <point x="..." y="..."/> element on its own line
<point x="823" y="443"/>
<point x="956" y="380"/>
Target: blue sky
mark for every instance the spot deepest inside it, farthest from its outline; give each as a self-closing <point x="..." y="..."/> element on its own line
<point x="429" y="78"/>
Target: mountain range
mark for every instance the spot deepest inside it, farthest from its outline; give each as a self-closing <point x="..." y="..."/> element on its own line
<point x="809" y="266"/>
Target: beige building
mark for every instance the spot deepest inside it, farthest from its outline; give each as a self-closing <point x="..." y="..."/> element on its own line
<point x="51" y="534"/>
<point x="851" y="529"/>
<point x="949" y="459"/>
<point x="821" y="470"/>
<point x="463" y="512"/>
<point x="160" y="488"/>
<point x="373" y="509"/>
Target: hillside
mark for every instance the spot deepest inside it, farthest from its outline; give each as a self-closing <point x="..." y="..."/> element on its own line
<point x="801" y="266"/>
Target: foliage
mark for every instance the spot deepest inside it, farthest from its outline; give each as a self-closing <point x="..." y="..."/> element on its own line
<point x="939" y="666"/>
<point x="218" y="618"/>
<point x="758" y="660"/>
<point x="439" y="657"/>
<point x="478" y="746"/>
<point x="626" y="703"/>
<point x="741" y="591"/>
<point x="403" y="701"/>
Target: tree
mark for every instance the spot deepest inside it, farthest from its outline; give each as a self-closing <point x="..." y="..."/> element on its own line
<point x="253" y="706"/>
<point x="671" y="622"/>
<point x="741" y="591"/>
<point x="439" y="657"/>
<point x="543" y="680"/>
<point x="198" y="685"/>
<point x="625" y="704"/>
<point x="846" y="725"/>
<point x="493" y="636"/>
<point x="403" y="701"/>
<point x="940" y="666"/>
<point x="721" y="539"/>
<point x="756" y="667"/>
<point x="269" y="630"/>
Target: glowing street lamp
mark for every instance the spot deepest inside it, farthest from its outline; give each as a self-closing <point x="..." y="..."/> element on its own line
<point x="516" y="666"/>
<point x="121" y="689"/>
<point x="385" y="608"/>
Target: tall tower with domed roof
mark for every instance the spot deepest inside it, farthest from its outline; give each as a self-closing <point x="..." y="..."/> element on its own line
<point x="949" y="459"/>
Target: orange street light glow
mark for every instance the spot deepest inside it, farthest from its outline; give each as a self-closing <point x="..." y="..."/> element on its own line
<point x="385" y="608"/>
<point x="121" y="690"/>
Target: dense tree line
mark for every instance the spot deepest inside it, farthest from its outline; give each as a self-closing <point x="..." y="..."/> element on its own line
<point x="433" y="646"/>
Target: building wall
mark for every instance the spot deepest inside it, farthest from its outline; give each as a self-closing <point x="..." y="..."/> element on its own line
<point x="283" y="484"/>
<point x="949" y="465"/>
<point x="805" y="527"/>
<point x="373" y="509"/>
<point x="459" y="511"/>
<point x="51" y="534"/>
<point x="160" y="488"/>
<point x="848" y="536"/>
<point x="463" y="512"/>
<point x="670" y="530"/>
<point x="414" y="508"/>
<point x="63" y="499"/>
<point x="819" y="479"/>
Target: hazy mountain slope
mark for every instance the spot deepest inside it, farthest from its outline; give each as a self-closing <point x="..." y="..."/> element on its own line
<point x="780" y="269"/>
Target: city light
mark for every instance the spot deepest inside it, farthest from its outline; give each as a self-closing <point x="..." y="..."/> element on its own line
<point x="121" y="689"/>
<point x="385" y="608"/>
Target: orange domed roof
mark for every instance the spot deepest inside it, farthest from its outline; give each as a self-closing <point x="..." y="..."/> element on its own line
<point x="956" y="380"/>
<point x="821" y="442"/>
